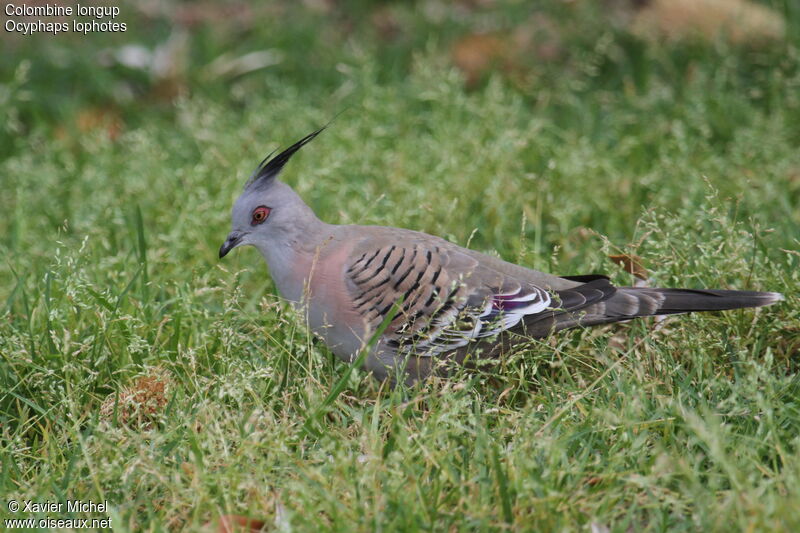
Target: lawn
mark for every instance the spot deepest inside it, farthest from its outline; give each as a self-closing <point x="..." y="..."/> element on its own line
<point x="137" y="368"/>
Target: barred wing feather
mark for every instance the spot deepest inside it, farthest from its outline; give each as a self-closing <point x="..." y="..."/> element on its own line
<point x="446" y="298"/>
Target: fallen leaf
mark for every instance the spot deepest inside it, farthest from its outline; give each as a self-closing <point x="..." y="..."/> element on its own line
<point x="140" y="405"/>
<point x="97" y="118"/>
<point x="631" y="264"/>
<point x="477" y="54"/>
<point x="515" y="51"/>
<point x="737" y="21"/>
<point x="594" y="480"/>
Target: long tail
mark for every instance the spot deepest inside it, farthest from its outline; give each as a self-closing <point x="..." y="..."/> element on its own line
<point x="602" y="303"/>
<point x="643" y="301"/>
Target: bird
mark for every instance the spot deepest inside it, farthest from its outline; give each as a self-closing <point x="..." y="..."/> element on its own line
<point x="408" y="305"/>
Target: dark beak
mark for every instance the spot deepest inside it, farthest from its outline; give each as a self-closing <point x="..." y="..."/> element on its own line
<point x="230" y="243"/>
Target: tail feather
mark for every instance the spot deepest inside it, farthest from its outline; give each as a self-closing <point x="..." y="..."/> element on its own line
<point x="599" y="302"/>
<point x="674" y="301"/>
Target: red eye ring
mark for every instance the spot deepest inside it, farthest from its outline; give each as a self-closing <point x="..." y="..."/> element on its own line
<point x="260" y="214"/>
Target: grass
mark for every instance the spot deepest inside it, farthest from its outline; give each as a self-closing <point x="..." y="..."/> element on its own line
<point x="137" y="368"/>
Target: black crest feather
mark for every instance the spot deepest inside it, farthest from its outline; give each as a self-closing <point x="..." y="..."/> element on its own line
<point x="270" y="167"/>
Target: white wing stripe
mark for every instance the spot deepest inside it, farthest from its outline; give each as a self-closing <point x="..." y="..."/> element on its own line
<point x="500" y="312"/>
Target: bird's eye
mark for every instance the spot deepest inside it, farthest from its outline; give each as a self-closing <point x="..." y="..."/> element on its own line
<point x="260" y="214"/>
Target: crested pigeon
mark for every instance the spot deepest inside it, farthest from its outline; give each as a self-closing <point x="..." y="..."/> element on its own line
<point x="443" y="303"/>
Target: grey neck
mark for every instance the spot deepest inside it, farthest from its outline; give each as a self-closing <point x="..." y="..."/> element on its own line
<point x="290" y="258"/>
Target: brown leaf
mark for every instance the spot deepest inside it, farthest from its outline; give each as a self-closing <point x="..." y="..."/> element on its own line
<point x="477" y="54"/>
<point x="188" y="469"/>
<point x="514" y="51"/>
<point x="98" y="118"/>
<point x="737" y="21"/>
<point x="140" y="405"/>
<point x="631" y="264"/>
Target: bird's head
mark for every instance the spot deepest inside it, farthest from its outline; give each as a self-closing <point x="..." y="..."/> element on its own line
<point x="268" y="211"/>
